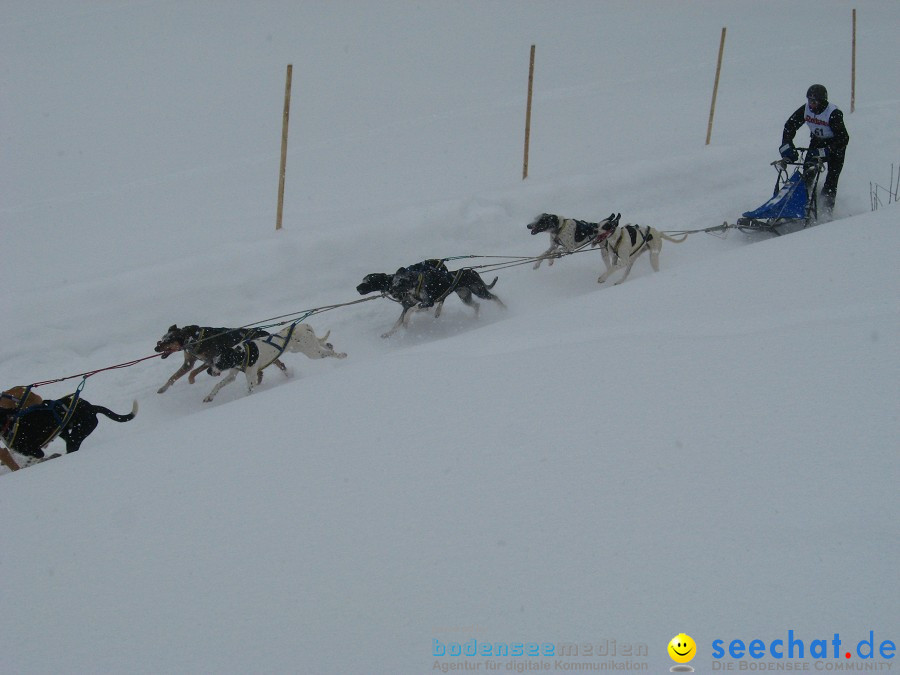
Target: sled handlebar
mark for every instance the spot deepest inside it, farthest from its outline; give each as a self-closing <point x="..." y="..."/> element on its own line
<point x="782" y="163"/>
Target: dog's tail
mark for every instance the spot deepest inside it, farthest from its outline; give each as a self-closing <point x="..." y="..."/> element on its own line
<point x="322" y="340"/>
<point x="672" y="239"/>
<point x="116" y="416"/>
<point x="469" y="278"/>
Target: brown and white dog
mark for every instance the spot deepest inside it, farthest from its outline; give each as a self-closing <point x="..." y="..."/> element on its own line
<point x="252" y="356"/>
<point x="621" y="246"/>
<point x="567" y="234"/>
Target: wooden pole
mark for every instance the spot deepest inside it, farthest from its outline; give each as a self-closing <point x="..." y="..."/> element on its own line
<point x="528" y="114"/>
<point x="712" y="106"/>
<point x="853" y="68"/>
<point x="284" y="140"/>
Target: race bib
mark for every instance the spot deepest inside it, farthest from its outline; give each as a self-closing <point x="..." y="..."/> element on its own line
<point x="818" y="122"/>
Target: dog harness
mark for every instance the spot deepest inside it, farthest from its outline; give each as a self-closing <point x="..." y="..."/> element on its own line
<point x="584" y="229"/>
<point x="633" y="232"/>
<point x="272" y="340"/>
<point x="425" y="270"/>
<point x="453" y="284"/>
<point x="419" y="277"/>
<point x="191" y="343"/>
<point x="580" y="231"/>
<point x="251" y="354"/>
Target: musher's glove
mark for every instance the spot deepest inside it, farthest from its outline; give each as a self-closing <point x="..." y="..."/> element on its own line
<point x="789" y="152"/>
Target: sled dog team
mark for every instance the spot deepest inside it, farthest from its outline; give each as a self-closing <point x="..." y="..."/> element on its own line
<point x="28" y="423"/>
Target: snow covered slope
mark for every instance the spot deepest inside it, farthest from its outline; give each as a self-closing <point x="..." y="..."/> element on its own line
<point x="710" y="449"/>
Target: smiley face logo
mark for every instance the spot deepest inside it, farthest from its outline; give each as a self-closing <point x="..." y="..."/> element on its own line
<point x="682" y="648"/>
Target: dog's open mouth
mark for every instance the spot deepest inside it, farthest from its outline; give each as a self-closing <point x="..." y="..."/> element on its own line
<point x="602" y="236"/>
<point x="537" y="228"/>
<point x="166" y="349"/>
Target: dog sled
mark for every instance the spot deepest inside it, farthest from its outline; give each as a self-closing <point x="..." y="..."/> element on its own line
<point x="793" y="204"/>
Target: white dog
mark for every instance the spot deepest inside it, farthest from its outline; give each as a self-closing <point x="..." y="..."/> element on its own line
<point x="621" y="246"/>
<point x="252" y="356"/>
<point x="568" y="234"/>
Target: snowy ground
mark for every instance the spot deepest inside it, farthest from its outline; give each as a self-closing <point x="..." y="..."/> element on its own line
<point x="709" y="450"/>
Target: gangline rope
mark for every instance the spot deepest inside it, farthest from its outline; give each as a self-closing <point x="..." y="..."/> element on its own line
<point x="301" y="315"/>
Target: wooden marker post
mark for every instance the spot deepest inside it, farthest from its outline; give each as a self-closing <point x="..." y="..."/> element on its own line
<point x="528" y="114"/>
<point x="712" y="106"/>
<point x="284" y="140"/>
<point x="853" y="67"/>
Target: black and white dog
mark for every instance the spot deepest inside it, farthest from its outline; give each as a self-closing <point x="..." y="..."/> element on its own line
<point x="204" y="344"/>
<point x="28" y="428"/>
<point x="427" y="284"/>
<point x="621" y="246"/>
<point x="252" y="356"/>
<point x="568" y="234"/>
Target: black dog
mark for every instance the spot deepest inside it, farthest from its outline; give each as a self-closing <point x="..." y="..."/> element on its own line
<point x="200" y="343"/>
<point x="425" y="285"/>
<point x="29" y="429"/>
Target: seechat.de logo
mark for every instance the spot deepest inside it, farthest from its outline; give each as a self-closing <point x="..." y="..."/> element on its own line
<point x="796" y="647"/>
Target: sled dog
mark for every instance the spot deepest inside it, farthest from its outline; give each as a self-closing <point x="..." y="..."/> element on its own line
<point x="427" y="284"/>
<point x="621" y="247"/>
<point x="567" y="235"/>
<point x="28" y="426"/>
<point x="203" y="344"/>
<point x="252" y="356"/>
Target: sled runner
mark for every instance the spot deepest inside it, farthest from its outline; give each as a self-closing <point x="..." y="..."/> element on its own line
<point x="793" y="202"/>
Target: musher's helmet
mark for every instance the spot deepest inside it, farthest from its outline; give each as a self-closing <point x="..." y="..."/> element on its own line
<point x="817" y="96"/>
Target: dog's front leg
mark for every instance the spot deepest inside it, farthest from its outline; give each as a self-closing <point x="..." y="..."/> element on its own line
<point x="178" y="373"/>
<point x="407" y="317"/>
<point x="631" y="260"/>
<point x="253" y="377"/>
<point x="545" y="255"/>
<point x="605" y="255"/>
<point x="400" y="322"/>
<point x="225" y="380"/>
<point x="196" y="371"/>
<point x="438" y="308"/>
<point x="627" y="272"/>
<point x="185" y="367"/>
